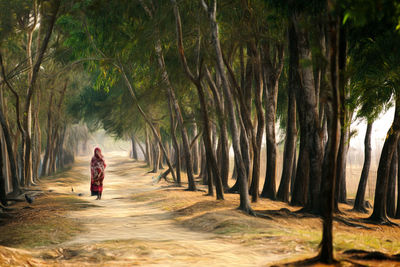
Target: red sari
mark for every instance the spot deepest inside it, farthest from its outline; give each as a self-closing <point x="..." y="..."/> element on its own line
<point x="97" y="167"/>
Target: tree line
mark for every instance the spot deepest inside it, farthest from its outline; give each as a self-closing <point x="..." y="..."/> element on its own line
<point x="187" y="81"/>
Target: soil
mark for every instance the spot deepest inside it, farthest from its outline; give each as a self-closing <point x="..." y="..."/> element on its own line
<point x="141" y="223"/>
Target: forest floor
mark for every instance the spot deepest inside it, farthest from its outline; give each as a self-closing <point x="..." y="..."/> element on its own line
<point x="139" y="223"/>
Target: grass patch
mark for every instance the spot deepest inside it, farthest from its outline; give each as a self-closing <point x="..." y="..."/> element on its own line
<point x="43" y="222"/>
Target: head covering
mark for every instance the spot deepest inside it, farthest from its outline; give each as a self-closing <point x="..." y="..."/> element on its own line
<point x="97" y="149"/>
<point x="98" y="157"/>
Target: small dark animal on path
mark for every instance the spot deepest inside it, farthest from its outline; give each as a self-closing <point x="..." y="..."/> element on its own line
<point x="29" y="199"/>
<point x="72" y="189"/>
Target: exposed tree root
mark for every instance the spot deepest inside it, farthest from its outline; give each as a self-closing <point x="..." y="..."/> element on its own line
<point x="379" y="221"/>
<point x="371" y="255"/>
<point x="348" y="223"/>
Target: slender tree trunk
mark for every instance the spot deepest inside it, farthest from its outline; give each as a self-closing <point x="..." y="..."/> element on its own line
<point x="379" y="214"/>
<point x="195" y="151"/>
<point x="359" y="203"/>
<point x="175" y="104"/>
<point x="391" y="194"/>
<point x="31" y="89"/>
<point x="173" y="126"/>
<point x="134" y="151"/>
<point x="3" y="192"/>
<point x="156" y="152"/>
<point x="224" y="160"/>
<point x="289" y="154"/>
<point x="148" y="150"/>
<point x="14" y="172"/>
<point x="212" y="165"/>
<point x="244" y="197"/>
<point x="258" y="91"/>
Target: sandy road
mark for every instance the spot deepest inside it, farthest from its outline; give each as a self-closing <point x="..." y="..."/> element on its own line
<point x="122" y="232"/>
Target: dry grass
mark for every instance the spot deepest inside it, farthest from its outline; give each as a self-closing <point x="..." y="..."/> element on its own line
<point x="43" y="222"/>
<point x="288" y="231"/>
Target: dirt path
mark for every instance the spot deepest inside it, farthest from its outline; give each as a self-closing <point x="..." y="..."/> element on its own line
<point x="123" y="232"/>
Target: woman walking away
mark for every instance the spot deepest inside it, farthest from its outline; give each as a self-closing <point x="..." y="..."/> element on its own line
<point x="97" y="166"/>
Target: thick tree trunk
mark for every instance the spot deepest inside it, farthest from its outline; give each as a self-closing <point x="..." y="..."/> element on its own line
<point x="289" y="154"/>
<point x="308" y="115"/>
<point x="300" y="188"/>
<point x="397" y="215"/>
<point x="359" y="203"/>
<point x="242" y="175"/>
<point x="391" y="194"/>
<point x="331" y="153"/>
<point x="379" y="214"/>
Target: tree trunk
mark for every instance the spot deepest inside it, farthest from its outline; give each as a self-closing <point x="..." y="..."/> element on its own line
<point x="258" y="94"/>
<point x="379" y="214"/>
<point x="14" y="174"/>
<point x="300" y="187"/>
<point x="273" y="73"/>
<point x="308" y="115"/>
<point x="242" y="175"/>
<point x="331" y="153"/>
<point x="289" y="154"/>
<point x="173" y="126"/>
<point x="212" y="166"/>
<point x="134" y="151"/>
<point x="195" y="151"/>
<point x="3" y="192"/>
<point x="359" y="203"/>
<point x="340" y="187"/>
<point x="31" y="89"/>
<point x="397" y="215"/>
<point x="391" y="197"/>
<point x="148" y="149"/>
<point x="224" y="159"/>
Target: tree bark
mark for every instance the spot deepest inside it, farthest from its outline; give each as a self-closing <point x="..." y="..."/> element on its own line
<point x="49" y="134"/>
<point x="300" y="187"/>
<point x="273" y="69"/>
<point x="134" y="151"/>
<point x="331" y="154"/>
<point x="391" y="194"/>
<point x="258" y="94"/>
<point x="195" y="151"/>
<point x="31" y="89"/>
<point x="397" y="215"/>
<point x="359" y="203"/>
<point x="289" y="155"/>
<point x="173" y="126"/>
<point x="3" y="197"/>
<point x="244" y="197"/>
<point x="379" y="214"/>
<point x="308" y="115"/>
<point x="224" y="162"/>
<point x="14" y="175"/>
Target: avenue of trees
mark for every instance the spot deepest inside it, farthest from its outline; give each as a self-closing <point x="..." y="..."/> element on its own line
<point x="187" y="81"/>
